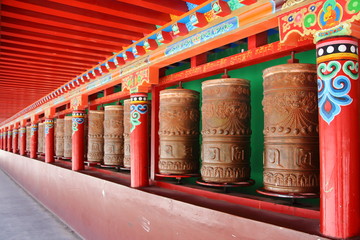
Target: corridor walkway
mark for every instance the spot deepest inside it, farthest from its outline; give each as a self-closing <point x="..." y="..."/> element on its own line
<point x="22" y="218"/>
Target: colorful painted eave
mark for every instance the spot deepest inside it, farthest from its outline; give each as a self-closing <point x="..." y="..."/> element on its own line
<point x="242" y="20"/>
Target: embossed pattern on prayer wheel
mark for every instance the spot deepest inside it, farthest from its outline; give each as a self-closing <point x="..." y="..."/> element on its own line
<point x="41" y="136"/>
<point x="28" y="129"/>
<point x="127" y="160"/>
<point x="59" y="135"/>
<point x="113" y="135"/>
<point x="179" y="131"/>
<point x="67" y="137"/>
<point x="291" y="148"/>
<point x="96" y="136"/>
<point x="226" y="130"/>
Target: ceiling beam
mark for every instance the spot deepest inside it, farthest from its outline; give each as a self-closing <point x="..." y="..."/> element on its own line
<point x="87" y="43"/>
<point x="174" y="7"/>
<point x="28" y="65"/>
<point x="124" y="30"/>
<point x="105" y="8"/>
<point x="33" y="71"/>
<point x="53" y="46"/>
<point x="45" y="58"/>
<point x="53" y="53"/>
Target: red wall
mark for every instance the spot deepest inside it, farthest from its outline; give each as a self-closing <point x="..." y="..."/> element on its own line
<point x="99" y="209"/>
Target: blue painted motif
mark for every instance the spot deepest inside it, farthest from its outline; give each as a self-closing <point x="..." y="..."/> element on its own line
<point x="135" y="114"/>
<point x="333" y="89"/>
<point x="203" y="36"/>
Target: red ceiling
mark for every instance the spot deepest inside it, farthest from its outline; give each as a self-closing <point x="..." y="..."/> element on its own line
<point x="46" y="43"/>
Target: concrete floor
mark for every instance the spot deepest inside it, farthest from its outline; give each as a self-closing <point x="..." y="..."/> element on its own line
<point x="22" y="218"/>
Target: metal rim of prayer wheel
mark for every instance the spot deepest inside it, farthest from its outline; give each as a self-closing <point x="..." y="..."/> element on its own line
<point x="291" y="146"/>
<point x="179" y="131"/>
<point x="226" y="130"/>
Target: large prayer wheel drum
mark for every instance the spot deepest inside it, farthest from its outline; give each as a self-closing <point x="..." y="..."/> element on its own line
<point x="226" y="130"/>
<point x="96" y="136"/>
<point x="291" y="149"/>
<point x="68" y="137"/>
<point x="113" y="135"/>
<point x="127" y="126"/>
<point x="179" y="131"/>
<point x="59" y="135"/>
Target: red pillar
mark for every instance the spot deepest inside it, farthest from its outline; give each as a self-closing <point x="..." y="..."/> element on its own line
<point x="78" y="120"/>
<point x="1" y="139"/>
<point x="33" y="140"/>
<point x="49" y="140"/>
<point x="139" y="140"/>
<point x="9" y="140"/>
<point x="5" y="140"/>
<point x="15" y="140"/>
<point x="337" y="60"/>
<point x="22" y="136"/>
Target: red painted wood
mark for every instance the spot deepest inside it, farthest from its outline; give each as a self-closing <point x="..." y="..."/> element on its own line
<point x="22" y="135"/>
<point x="5" y="140"/>
<point x="78" y="140"/>
<point x="257" y="40"/>
<point x="66" y="23"/>
<point x="49" y="140"/>
<point x="57" y="53"/>
<point x="15" y="140"/>
<point x="60" y="32"/>
<point x="28" y="41"/>
<point x="87" y="204"/>
<point x="139" y="140"/>
<point x="124" y="10"/>
<point x="9" y="140"/>
<point x="339" y="154"/>
<point x="33" y="140"/>
<point x="250" y="57"/>
<point x="198" y="60"/>
<point x="174" y="7"/>
<point x="250" y="202"/>
<point x="58" y="40"/>
<point x="36" y="72"/>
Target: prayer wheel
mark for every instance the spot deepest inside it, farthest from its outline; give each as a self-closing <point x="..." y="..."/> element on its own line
<point x="179" y="131"/>
<point x="113" y="135"/>
<point x="96" y="136"/>
<point x="59" y="136"/>
<point x="28" y="137"/>
<point x="41" y="136"/>
<point x="127" y="160"/>
<point x="226" y="130"/>
<point x="68" y="137"/>
<point x="291" y="148"/>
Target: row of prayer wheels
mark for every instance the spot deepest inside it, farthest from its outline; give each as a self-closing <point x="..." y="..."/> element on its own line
<point x="291" y="155"/>
<point x="107" y="138"/>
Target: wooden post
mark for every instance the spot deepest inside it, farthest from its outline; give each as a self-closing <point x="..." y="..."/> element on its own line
<point x="49" y="140"/>
<point x="338" y="92"/>
<point x="9" y="140"/>
<point x="139" y="140"/>
<point x="22" y="135"/>
<point x="78" y="124"/>
<point x="15" y="140"/>
<point x="33" y="140"/>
